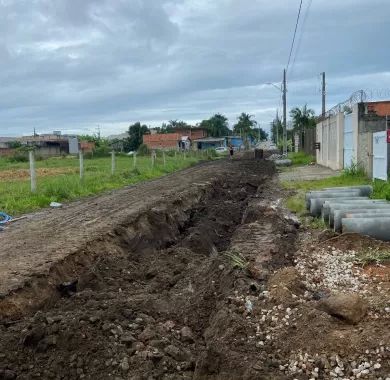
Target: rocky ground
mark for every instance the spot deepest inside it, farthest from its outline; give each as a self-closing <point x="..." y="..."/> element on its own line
<point x="227" y="287"/>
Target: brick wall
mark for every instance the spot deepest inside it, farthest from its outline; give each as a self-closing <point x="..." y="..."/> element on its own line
<point x="379" y="108"/>
<point x="7" y="152"/>
<point x="162" y="141"/>
<point x="87" y="147"/>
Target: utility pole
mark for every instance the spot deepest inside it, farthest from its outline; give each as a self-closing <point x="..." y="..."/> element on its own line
<point x="284" y="113"/>
<point x="277" y="127"/>
<point x="323" y="94"/>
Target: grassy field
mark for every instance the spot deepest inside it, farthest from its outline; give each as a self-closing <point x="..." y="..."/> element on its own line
<point x="61" y="181"/>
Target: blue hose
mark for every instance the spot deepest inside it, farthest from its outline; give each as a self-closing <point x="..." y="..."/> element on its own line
<point x="4" y="218"/>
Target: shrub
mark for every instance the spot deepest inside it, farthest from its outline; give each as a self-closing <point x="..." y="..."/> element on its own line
<point x="143" y="150"/>
<point x="19" y="157"/>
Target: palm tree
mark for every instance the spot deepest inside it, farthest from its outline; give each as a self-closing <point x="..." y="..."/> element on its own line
<point x="302" y="118"/>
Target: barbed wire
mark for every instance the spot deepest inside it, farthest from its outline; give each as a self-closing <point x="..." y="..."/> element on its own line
<point x="346" y="106"/>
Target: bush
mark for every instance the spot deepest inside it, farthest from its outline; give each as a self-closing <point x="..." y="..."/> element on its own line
<point x="170" y="153"/>
<point x="19" y="157"/>
<point x="102" y="151"/>
<point x="143" y="150"/>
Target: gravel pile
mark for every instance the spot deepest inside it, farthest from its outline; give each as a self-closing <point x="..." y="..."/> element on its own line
<point x="333" y="367"/>
<point x="331" y="269"/>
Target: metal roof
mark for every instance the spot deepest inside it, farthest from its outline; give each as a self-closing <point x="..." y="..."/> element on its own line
<point x="210" y="139"/>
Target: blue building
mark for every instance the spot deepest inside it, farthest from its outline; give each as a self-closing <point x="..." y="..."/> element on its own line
<point x="236" y="141"/>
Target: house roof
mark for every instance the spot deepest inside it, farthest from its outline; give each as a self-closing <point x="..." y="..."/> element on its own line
<point x="7" y="139"/>
<point x="211" y="139"/>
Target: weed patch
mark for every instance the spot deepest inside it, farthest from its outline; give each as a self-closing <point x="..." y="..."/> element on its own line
<point x="301" y="158"/>
<point x="372" y="256"/>
<point x="236" y="260"/>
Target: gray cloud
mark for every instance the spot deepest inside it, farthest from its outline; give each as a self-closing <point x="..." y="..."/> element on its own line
<point x="69" y="64"/>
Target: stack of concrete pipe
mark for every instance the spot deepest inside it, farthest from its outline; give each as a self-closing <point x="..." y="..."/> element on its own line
<point x="349" y="209"/>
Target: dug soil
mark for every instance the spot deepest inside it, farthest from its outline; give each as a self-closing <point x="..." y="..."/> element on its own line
<point x="188" y="277"/>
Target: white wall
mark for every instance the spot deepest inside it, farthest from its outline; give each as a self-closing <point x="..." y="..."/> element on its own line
<point x="330" y="136"/>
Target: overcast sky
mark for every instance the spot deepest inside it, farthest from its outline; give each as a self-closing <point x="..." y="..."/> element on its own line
<point x="72" y="65"/>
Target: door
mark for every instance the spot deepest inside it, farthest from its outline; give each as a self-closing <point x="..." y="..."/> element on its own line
<point x="379" y="159"/>
<point x="348" y="141"/>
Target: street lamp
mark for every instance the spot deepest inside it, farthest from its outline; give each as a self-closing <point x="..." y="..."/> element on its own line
<point x="273" y="84"/>
<point x="283" y="90"/>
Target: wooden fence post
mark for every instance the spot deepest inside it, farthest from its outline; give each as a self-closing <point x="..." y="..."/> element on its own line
<point x="134" y="160"/>
<point x="32" y="171"/>
<point x="81" y="156"/>
<point x="112" y="163"/>
<point x="165" y="162"/>
<point x="153" y="158"/>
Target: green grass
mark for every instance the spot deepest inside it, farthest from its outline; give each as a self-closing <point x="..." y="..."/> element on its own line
<point x="301" y="158"/>
<point x="372" y="256"/>
<point x="16" y="198"/>
<point x="296" y="202"/>
<point x="337" y="181"/>
<point x="236" y="260"/>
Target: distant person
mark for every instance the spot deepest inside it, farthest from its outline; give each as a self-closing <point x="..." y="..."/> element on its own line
<point x="231" y="151"/>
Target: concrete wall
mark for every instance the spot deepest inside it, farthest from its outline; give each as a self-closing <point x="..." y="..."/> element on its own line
<point x="367" y="118"/>
<point x="364" y="158"/>
<point x="49" y="151"/>
<point x="329" y="134"/>
<point x="355" y="126"/>
<point x="73" y="145"/>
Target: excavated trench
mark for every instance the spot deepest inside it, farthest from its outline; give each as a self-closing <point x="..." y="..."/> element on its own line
<point x="157" y="301"/>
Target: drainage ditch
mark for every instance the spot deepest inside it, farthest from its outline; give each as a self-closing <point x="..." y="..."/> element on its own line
<point x="157" y="298"/>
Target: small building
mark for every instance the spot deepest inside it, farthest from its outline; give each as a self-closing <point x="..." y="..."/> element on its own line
<point x="162" y="141"/>
<point x="235" y="141"/>
<point x="192" y="133"/>
<point x="49" y="145"/>
<point x="209" y="143"/>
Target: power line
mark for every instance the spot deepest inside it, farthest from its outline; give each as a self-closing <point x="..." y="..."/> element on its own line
<point x="301" y="34"/>
<point x="295" y="33"/>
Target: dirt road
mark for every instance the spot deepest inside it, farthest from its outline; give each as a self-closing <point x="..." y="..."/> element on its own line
<point x="188" y="277"/>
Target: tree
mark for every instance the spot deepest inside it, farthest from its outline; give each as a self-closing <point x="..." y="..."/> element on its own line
<point x="172" y="124"/>
<point x="302" y="118"/>
<point x="14" y="144"/>
<point x="216" y="126"/>
<point x="245" y="124"/>
<point x="276" y="130"/>
<point x="262" y="135"/>
<point x="136" y="131"/>
<point x="246" y="127"/>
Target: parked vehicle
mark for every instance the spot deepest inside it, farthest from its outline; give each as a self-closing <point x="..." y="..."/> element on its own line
<point x="221" y="149"/>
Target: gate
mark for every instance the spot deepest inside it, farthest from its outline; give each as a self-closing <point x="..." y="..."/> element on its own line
<point x="348" y="141"/>
<point x="379" y="150"/>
